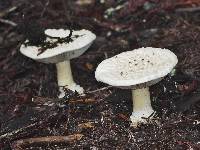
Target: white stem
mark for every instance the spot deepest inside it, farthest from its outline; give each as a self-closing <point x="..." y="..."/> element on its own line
<point x="141" y="99"/>
<point x="65" y="78"/>
<point x="141" y="105"/>
<point x="64" y="73"/>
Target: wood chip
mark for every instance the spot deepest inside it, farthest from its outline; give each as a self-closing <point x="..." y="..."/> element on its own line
<point x="17" y="145"/>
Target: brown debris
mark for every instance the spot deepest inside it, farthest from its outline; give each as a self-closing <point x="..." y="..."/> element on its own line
<point x="187" y="88"/>
<point x="19" y="144"/>
<point x="84" y="101"/>
<point x="86" y="125"/>
<point x="30" y="109"/>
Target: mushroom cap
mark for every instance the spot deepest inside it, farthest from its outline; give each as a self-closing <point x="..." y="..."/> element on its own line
<point x="63" y="51"/>
<point x="137" y="68"/>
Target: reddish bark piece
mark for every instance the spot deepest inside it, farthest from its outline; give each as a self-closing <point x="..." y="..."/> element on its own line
<point x="187" y="88"/>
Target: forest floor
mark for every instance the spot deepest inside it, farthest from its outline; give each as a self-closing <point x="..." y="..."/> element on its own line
<point x="31" y="115"/>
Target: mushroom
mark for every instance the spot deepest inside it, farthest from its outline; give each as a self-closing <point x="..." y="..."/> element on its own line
<point x="137" y="70"/>
<point x="61" y="53"/>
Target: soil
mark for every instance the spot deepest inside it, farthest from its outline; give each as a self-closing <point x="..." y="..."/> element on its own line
<point x="31" y="115"/>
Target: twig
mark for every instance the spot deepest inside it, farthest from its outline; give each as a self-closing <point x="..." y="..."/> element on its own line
<point x="191" y="9"/>
<point x="5" y="21"/>
<point x="7" y="11"/>
<point x="17" y="145"/>
<point x="67" y="10"/>
<point x="85" y="101"/>
<point x="45" y="8"/>
<point x="10" y="134"/>
<point x="98" y="90"/>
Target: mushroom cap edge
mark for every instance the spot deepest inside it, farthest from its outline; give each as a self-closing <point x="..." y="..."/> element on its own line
<point x="61" y="52"/>
<point x="105" y="72"/>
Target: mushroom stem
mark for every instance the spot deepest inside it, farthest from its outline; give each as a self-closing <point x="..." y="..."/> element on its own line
<point x="65" y="78"/>
<point x="141" y="105"/>
<point x="64" y="73"/>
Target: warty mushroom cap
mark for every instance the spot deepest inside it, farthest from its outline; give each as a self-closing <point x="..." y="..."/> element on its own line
<point x="140" y="67"/>
<point x="63" y="51"/>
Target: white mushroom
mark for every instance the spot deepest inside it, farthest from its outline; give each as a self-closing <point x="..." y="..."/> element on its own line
<point x="61" y="54"/>
<point x="137" y="70"/>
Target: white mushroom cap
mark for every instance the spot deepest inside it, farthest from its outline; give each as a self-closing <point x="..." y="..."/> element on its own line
<point x="64" y="51"/>
<point x="140" y="67"/>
